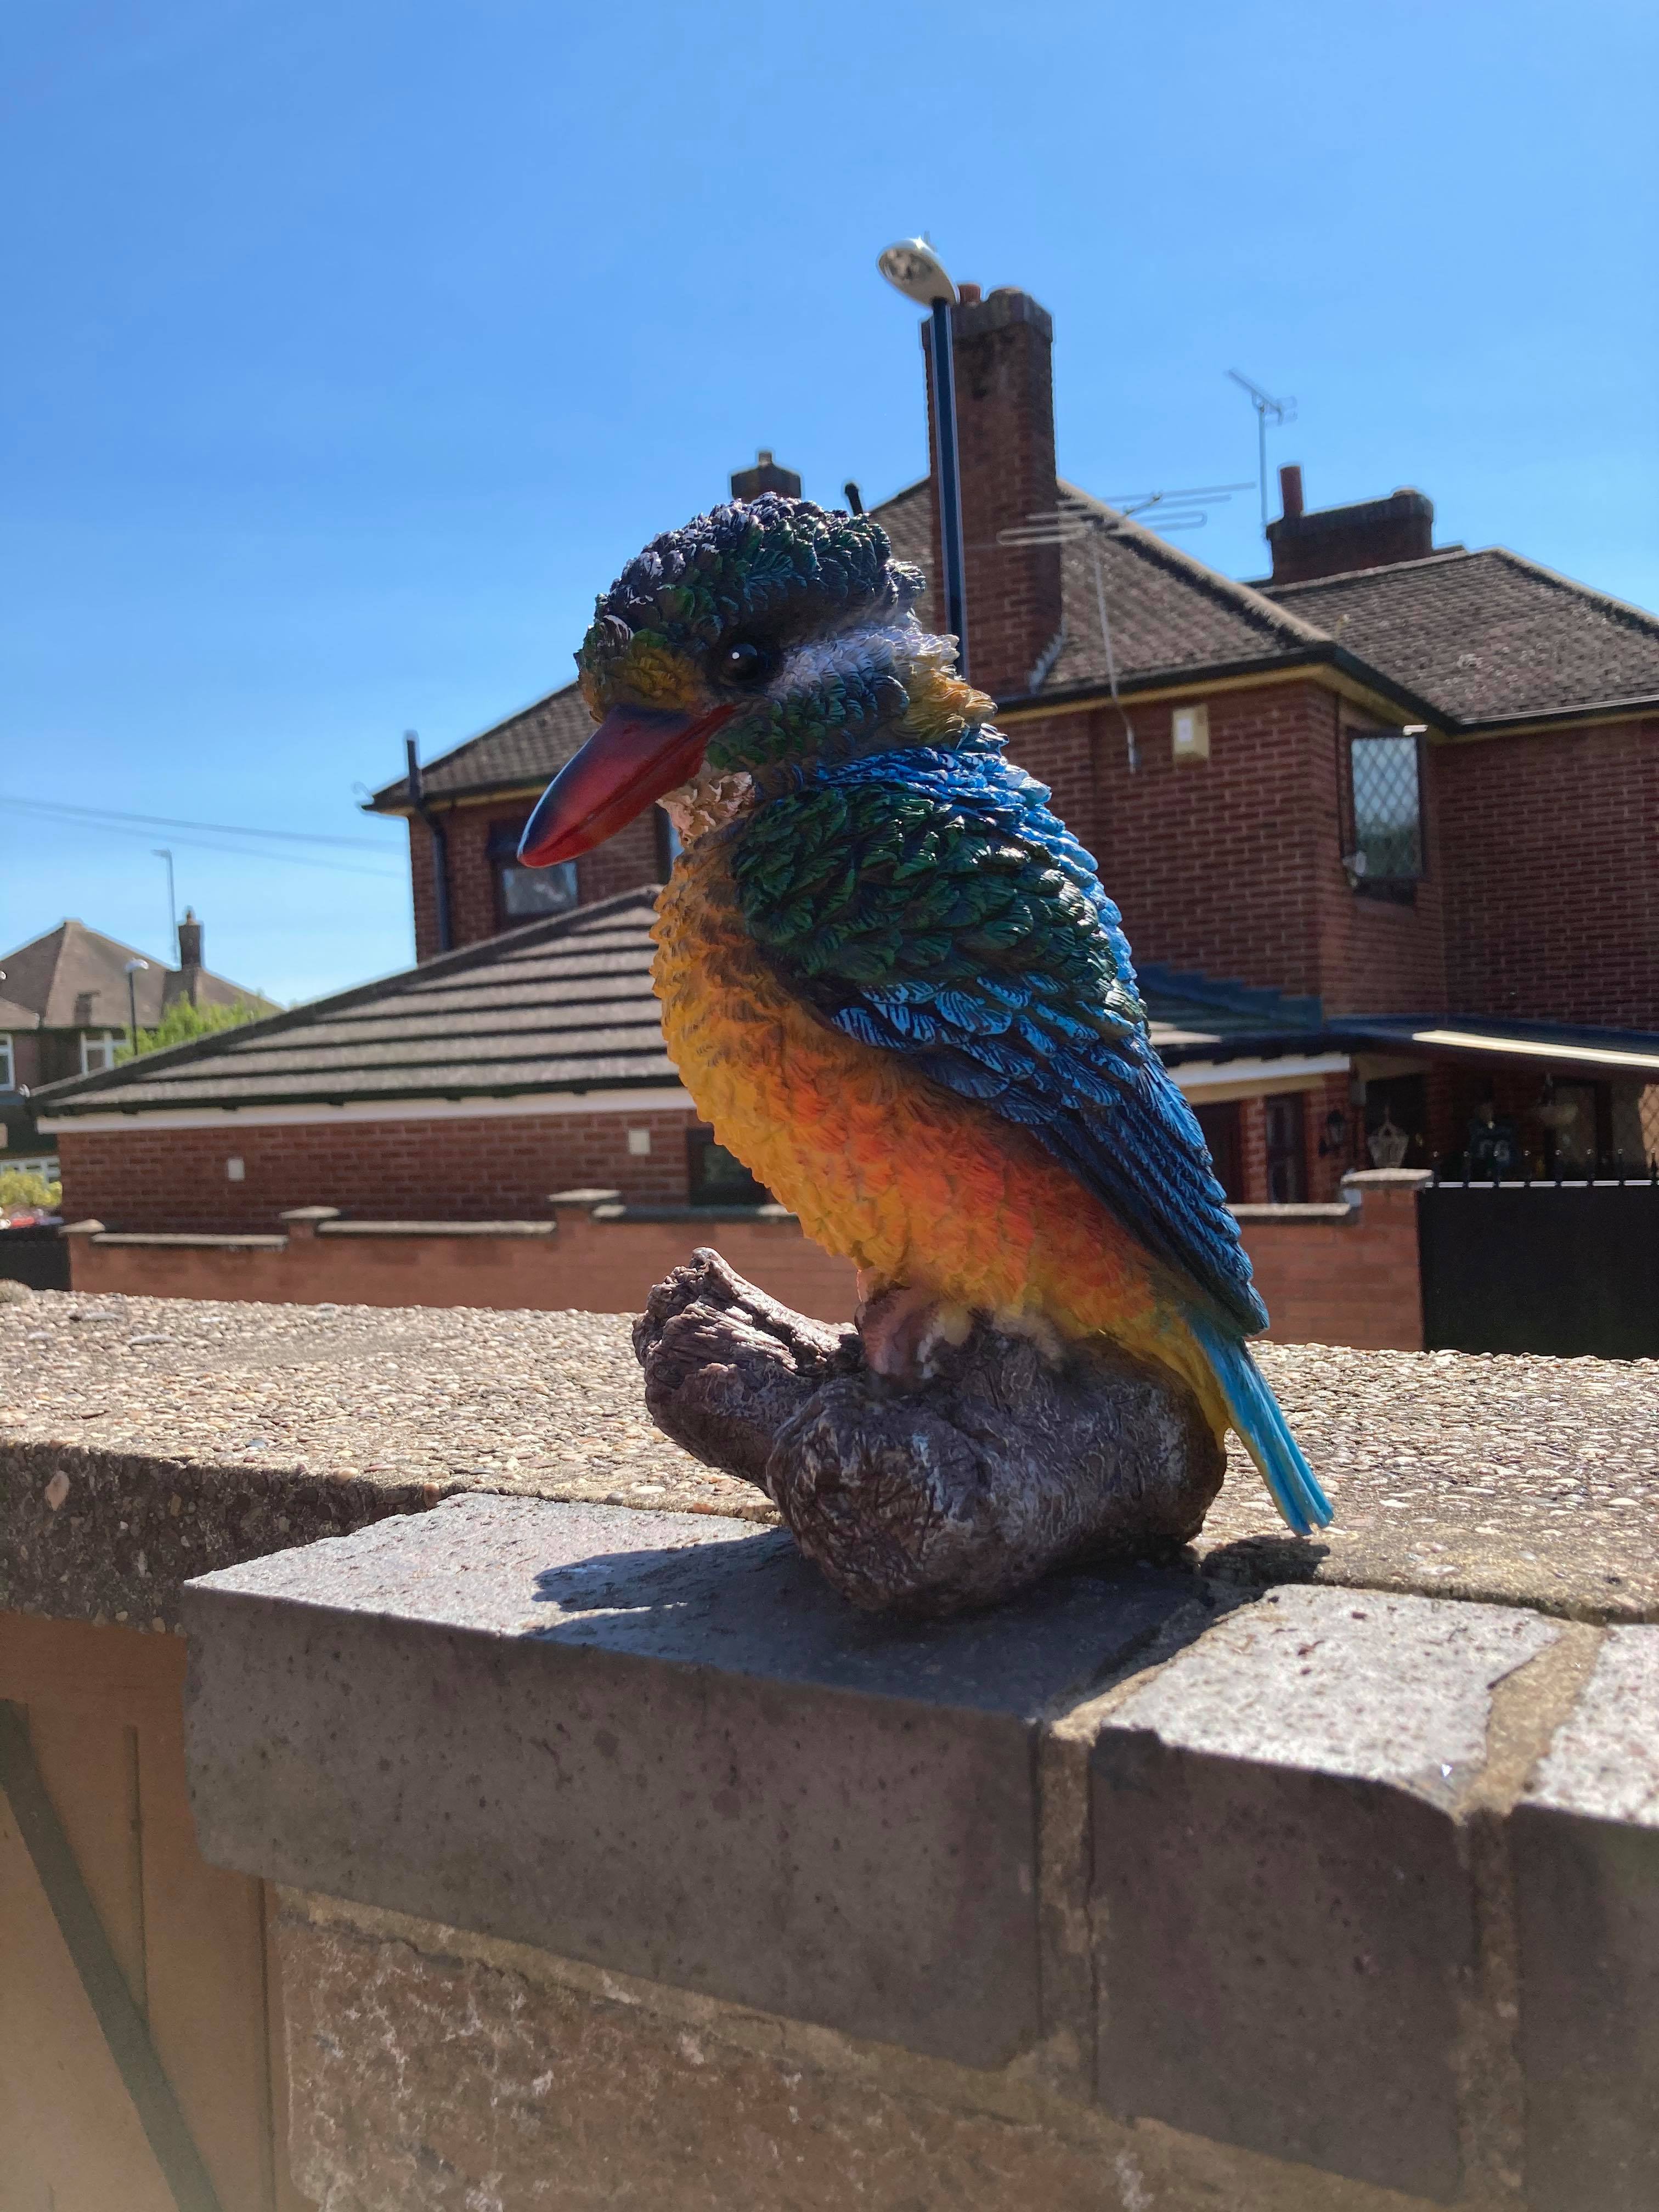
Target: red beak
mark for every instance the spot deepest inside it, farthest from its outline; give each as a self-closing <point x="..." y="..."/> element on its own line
<point x="635" y="754"/>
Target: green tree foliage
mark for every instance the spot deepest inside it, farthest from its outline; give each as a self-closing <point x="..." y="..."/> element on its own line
<point x="19" y="1188"/>
<point x="182" y="1023"/>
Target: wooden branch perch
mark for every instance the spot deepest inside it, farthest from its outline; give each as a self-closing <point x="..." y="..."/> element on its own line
<point x="935" y="1496"/>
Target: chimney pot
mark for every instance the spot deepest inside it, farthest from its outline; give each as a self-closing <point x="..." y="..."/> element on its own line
<point x="190" y="941"/>
<point x="968" y="295"/>
<point x="1290" y="490"/>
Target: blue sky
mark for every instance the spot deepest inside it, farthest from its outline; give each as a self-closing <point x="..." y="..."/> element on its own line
<point x="353" y="344"/>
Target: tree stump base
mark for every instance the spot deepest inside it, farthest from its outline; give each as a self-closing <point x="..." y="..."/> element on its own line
<point x="935" y="1496"/>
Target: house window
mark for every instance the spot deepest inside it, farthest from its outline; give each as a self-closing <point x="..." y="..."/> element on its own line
<point x="98" y="1050"/>
<point x="717" y="1177"/>
<point x="8" y="1063"/>
<point x="1287" y="1156"/>
<point x="522" y="894"/>
<point x="1385" y="794"/>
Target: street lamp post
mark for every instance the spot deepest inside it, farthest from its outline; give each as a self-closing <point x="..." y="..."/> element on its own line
<point x="912" y="267"/>
<point x="162" y="852"/>
<point x="132" y="972"/>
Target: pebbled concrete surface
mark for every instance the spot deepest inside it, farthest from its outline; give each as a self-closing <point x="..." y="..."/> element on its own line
<point x="1529" y="1482"/>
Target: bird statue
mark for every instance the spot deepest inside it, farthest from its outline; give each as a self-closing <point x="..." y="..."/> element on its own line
<point x="891" y="979"/>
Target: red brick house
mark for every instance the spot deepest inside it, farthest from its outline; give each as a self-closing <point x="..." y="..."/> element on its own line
<point x="1385" y="826"/>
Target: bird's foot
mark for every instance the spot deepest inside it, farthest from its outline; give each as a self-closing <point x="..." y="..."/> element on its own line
<point x="905" y="1329"/>
<point x="927" y="1492"/>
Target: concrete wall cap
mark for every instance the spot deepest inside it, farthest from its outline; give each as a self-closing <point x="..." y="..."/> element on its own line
<point x="436" y="1228"/>
<point x="1335" y="1212"/>
<point x="660" y="1743"/>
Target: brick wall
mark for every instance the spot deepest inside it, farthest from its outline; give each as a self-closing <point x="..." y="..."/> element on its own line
<point x="1233" y="865"/>
<point x="589" y="1266"/>
<point x="1352" y="1281"/>
<point x="629" y="857"/>
<point x="1552" y="843"/>
<point x="483" y="1169"/>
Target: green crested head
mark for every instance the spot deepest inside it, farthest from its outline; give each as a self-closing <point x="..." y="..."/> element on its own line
<point x="762" y="636"/>
<point x="797" y="620"/>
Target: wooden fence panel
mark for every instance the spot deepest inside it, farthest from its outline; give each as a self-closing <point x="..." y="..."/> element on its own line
<point x="204" y="1945"/>
<point x="80" y="2128"/>
<point x="103" y="1708"/>
<point x="89" y="1765"/>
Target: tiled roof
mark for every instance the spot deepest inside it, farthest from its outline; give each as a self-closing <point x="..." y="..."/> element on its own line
<point x="1472" y="638"/>
<point x="529" y="748"/>
<point x="1167" y="612"/>
<point x="75" y="978"/>
<point x="561" y="1005"/>
<point x="1486" y="636"/>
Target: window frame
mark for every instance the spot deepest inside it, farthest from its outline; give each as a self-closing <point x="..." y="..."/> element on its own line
<point x="501" y="851"/>
<point x="1400" y="887"/>
<point x="7" y="1062"/>
<point x="700" y="1141"/>
<point x="1292" y="1155"/>
<point x="109" y="1039"/>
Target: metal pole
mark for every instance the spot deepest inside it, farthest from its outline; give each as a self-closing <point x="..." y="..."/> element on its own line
<point x="161" y="853"/>
<point x="950" y="480"/>
<point x="435" y="831"/>
<point x="132" y="1011"/>
<point x="1261" y="462"/>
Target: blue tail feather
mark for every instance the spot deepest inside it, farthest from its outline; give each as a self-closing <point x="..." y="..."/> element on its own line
<point x="1256" y="1416"/>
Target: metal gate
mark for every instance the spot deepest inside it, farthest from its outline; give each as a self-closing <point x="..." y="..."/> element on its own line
<point x="36" y="1255"/>
<point x="1566" y="1269"/>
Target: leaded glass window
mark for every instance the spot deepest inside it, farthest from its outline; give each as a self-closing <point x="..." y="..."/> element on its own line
<point x="1385" y="771"/>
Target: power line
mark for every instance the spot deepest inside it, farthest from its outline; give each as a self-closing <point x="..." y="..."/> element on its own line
<point x="216" y="829"/>
<point x="38" y="811"/>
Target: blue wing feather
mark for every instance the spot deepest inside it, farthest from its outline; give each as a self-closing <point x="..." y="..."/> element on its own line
<point x="1010" y="1031"/>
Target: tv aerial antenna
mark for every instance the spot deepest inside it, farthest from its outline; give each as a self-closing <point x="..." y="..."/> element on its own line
<point x="1074" y="519"/>
<point x="1282" y="410"/>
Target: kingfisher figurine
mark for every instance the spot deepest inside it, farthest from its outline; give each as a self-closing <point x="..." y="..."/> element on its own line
<point x="895" y="985"/>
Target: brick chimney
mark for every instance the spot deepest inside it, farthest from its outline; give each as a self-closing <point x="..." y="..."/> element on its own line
<point x="190" y="941"/>
<point x="185" y="983"/>
<point x="1333" y="540"/>
<point x="765" y="476"/>
<point x="1005" y="434"/>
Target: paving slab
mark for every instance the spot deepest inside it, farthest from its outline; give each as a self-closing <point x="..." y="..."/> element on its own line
<point x="658" y="1743"/>
<point x="1585" y="1846"/>
<point x="1287" y="1915"/>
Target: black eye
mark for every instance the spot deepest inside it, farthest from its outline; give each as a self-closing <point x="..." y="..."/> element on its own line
<point x="745" y="663"/>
